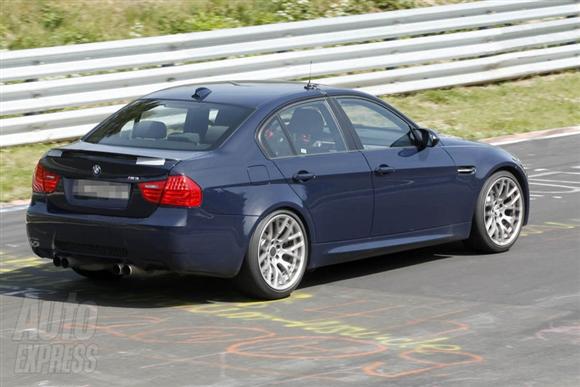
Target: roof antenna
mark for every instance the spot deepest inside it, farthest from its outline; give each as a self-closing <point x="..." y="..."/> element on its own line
<point x="201" y="93"/>
<point x="309" y="85"/>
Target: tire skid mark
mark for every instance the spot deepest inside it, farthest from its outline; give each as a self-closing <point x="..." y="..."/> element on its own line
<point x="376" y="368"/>
<point x="305" y="348"/>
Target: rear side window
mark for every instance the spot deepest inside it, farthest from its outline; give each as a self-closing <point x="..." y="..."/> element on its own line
<point x="312" y="129"/>
<point x="274" y="139"/>
<point x="173" y="125"/>
<point x="304" y="129"/>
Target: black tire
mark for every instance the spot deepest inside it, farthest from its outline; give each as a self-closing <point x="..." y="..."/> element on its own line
<point x="97" y="275"/>
<point x="250" y="280"/>
<point x="479" y="238"/>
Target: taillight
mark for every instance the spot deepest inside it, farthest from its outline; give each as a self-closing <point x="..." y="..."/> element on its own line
<point x="181" y="191"/>
<point x="44" y="181"/>
<point x="152" y="191"/>
<point x="177" y="190"/>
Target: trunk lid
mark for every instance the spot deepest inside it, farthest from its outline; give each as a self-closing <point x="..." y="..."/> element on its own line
<point x="104" y="180"/>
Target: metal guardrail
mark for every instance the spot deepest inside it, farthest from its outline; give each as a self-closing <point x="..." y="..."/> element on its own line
<point x="390" y="52"/>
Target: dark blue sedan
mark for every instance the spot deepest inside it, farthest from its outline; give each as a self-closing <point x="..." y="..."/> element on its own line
<point x="263" y="180"/>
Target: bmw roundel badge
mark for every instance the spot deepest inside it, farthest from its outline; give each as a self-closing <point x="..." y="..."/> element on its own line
<point x="96" y="170"/>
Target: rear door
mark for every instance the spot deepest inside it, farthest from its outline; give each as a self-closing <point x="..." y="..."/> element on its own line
<point x="414" y="189"/>
<point x="335" y="184"/>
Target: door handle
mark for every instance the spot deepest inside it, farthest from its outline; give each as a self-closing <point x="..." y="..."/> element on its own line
<point x="384" y="169"/>
<point x="303" y="176"/>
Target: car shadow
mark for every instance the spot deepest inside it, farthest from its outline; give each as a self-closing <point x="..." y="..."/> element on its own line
<point x="383" y="263"/>
<point x="45" y="282"/>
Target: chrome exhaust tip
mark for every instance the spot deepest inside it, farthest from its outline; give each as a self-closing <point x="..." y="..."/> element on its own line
<point x="118" y="269"/>
<point x="127" y="270"/>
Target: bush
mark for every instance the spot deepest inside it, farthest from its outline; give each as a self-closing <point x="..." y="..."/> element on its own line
<point x="41" y="23"/>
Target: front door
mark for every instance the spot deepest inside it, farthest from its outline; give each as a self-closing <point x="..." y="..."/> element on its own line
<point x="334" y="183"/>
<point x="414" y="189"/>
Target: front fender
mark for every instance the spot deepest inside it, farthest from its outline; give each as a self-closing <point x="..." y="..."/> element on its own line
<point x="487" y="159"/>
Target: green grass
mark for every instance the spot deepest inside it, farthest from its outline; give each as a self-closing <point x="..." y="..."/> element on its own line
<point x="16" y="167"/>
<point x="43" y="23"/>
<point x="476" y="112"/>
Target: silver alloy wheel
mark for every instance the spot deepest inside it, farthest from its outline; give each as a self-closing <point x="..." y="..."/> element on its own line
<point x="503" y="211"/>
<point x="282" y="252"/>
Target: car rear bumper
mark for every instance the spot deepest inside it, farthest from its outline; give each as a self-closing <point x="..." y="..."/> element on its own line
<point x="175" y="239"/>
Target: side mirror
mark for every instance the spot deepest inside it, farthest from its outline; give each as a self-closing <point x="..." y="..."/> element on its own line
<point x="425" y="138"/>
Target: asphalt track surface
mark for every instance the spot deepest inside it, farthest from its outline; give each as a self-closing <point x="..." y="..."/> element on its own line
<point x="435" y="316"/>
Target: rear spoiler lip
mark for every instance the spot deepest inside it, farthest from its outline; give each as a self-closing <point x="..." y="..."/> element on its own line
<point x="149" y="161"/>
<point x="143" y="154"/>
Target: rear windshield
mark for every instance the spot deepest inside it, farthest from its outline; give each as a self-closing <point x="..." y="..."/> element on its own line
<point x="174" y="125"/>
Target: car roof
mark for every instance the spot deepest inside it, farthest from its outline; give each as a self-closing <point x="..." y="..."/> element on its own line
<point x="246" y="93"/>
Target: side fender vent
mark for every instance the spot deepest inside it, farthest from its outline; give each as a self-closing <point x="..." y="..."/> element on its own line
<point x="466" y="170"/>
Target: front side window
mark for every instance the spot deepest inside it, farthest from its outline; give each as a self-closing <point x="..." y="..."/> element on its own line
<point x="376" y="126"/>
<point x="173" y="125"/>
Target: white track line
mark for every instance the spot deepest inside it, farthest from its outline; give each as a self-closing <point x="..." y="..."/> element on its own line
<point x="554" y="181"/>
<point x="518" y="140"/>
<point x="19" y="207"/>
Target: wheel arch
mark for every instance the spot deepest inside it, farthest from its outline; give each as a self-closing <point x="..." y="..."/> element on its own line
<point x="296" y="210"/>
<point x="522" y="180"/>
<point x="299" y="212"/>
<point x="246" y="277"/>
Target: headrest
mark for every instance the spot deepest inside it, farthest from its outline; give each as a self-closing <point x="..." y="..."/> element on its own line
<point x="184" y="137"/>
<point x="150" y="129"/>
<point x="228" y="117"/>
<point x="197" y="120"/>
<point x="306" y="120"/>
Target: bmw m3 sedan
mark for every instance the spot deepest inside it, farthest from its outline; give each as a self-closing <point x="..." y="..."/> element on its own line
<point x="261" y="181"/>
